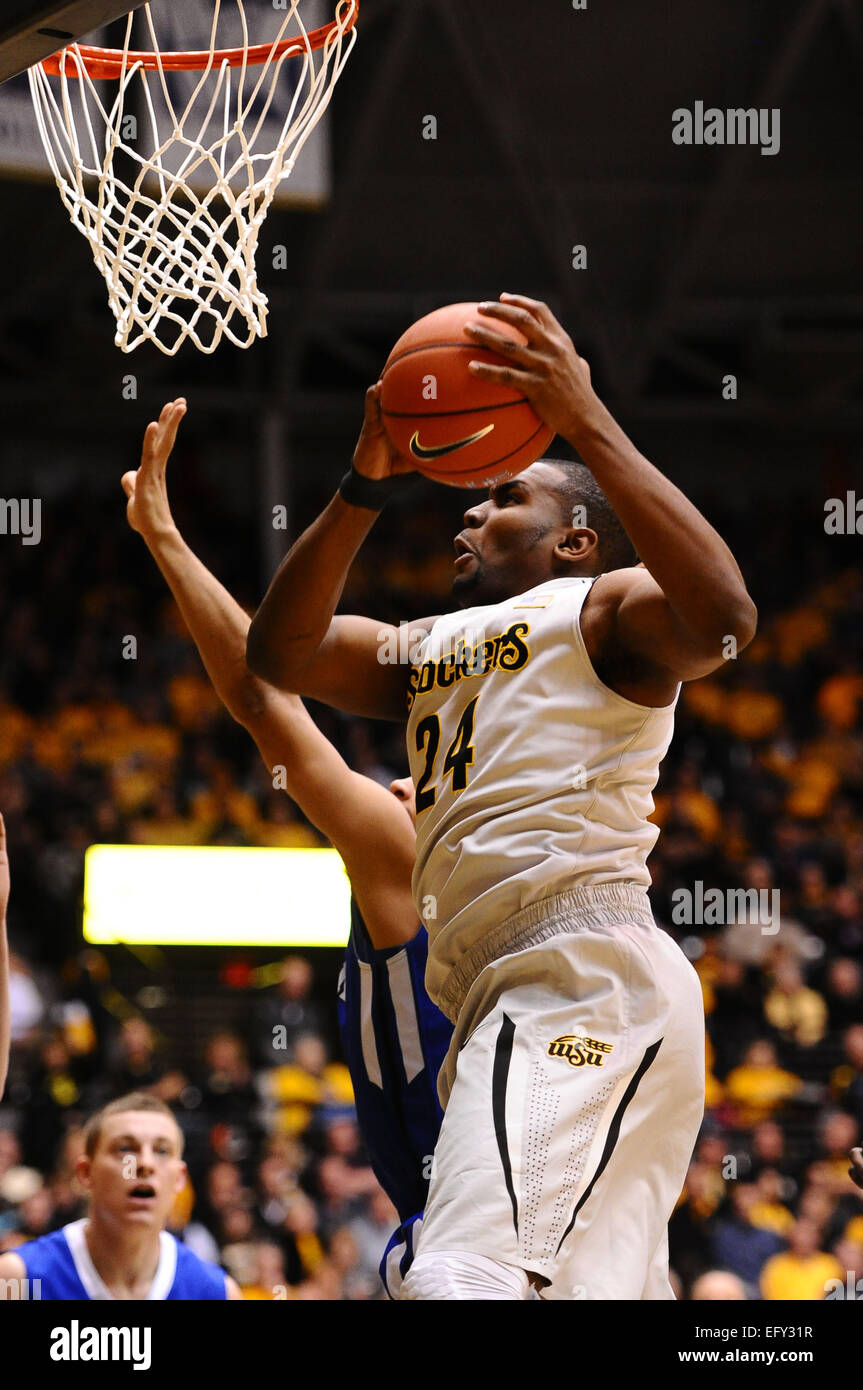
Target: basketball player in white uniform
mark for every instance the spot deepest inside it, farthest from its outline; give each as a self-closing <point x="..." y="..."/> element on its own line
<point x="537" y="720"/>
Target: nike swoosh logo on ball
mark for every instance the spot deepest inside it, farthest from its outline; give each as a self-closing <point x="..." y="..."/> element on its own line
<point x="437" y="451"/>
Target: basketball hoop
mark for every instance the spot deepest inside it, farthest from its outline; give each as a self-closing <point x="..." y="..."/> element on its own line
<point x="175" y="236"/>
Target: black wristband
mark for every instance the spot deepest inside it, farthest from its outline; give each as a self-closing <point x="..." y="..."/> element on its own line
<point x="373" y="493"/>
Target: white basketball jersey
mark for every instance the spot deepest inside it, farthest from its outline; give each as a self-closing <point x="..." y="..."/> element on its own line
<point x="532" y="777"/>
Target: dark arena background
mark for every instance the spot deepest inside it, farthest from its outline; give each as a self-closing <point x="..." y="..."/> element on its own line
<point x="473" y="148"/>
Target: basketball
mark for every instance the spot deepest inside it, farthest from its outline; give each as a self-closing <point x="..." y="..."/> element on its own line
<point x="455" y="428"/>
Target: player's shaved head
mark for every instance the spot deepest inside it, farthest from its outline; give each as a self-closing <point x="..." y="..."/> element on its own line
<point x="579" y="488"/>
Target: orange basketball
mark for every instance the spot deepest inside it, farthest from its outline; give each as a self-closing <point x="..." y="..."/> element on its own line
<point x="454" y="427"/>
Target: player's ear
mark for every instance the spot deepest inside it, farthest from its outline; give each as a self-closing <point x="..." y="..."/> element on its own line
<point x="83" y="1167"/>
<point x="182" y="1175"/>
<point x="579" y="543"/>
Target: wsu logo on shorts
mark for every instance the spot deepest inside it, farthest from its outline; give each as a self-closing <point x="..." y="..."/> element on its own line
<point x="580" y="1052"/>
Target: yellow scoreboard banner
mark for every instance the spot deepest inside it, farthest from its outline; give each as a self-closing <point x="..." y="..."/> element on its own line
<point x="172" y="895"/>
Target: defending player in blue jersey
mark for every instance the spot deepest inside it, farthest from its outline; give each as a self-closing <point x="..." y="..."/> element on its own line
<point x="394" y="1037"/>
<point x="132" y="1168"/>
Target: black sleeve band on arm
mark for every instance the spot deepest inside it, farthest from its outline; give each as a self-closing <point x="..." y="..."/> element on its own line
<point x="373" y="493"/>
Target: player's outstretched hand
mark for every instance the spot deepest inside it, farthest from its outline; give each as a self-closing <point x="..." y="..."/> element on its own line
<point x="856" y="1169"/>
<point x="4" y="872"/>
<point x="375" y="456"/>
<point x="147" y="510"/>
<point x="546" y="368"/>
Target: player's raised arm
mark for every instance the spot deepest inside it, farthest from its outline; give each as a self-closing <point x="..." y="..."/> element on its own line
<point x="295" y="642"/>
<point x="680" y="610"/>
<point x="5" y="1008"/>
<point x="367" y="824"/>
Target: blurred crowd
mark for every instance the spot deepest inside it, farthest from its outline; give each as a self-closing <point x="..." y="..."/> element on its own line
<point x="761" y="792"/>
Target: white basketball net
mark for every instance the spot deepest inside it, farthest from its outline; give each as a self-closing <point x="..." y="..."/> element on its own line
<point x="174" y="232"/>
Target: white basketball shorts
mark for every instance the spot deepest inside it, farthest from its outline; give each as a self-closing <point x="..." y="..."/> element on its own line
<point x="574" y="1093"/>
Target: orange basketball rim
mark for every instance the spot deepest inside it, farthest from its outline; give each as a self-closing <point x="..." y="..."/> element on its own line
<point x="110" y="63"/>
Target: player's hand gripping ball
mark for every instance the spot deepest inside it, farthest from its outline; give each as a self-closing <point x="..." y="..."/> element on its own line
<point x="452" y="426"/>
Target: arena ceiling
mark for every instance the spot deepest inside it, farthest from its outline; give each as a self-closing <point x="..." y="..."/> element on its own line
<point x="554" y="129"/>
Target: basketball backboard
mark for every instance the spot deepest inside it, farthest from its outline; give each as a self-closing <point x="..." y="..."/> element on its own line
<point x="30" y="30"/>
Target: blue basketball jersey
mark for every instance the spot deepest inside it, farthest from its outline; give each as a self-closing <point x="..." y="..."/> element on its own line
<point x="394" y="1039"/>
<point x="59" y="1266"/>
